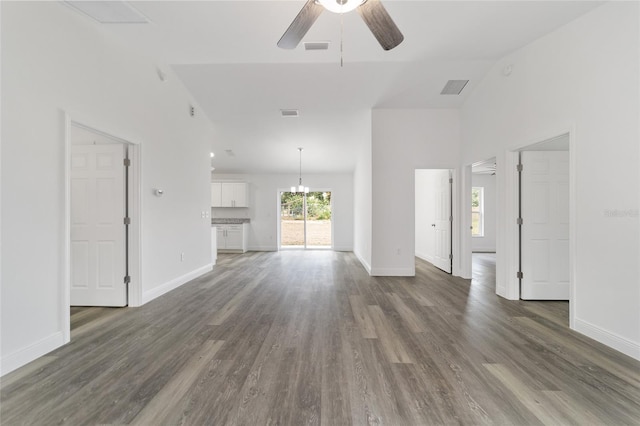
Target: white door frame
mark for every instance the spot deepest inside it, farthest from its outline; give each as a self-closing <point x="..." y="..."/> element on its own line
<point x="507" y="265"/>
<point x="135" y="205"/>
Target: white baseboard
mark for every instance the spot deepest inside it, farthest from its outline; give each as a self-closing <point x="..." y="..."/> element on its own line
<point x="158" y="291"/>
<point x="393" y="272"/>
<point x="342" y="248"/>
<point x="425" y="256"/>
<point x="364" y="263"/>
<point x="262" y="248"/>
<point x="25" y="355"/>
<point x="484" y="250"/>
<point x="502" y="292"/>
<point x="608" y="338"/>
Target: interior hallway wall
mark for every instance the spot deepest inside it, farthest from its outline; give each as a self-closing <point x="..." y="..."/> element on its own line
<point x="404" y="140"/>
<point x="362" y="203"/>
<point x="581" y="78"/>
<point x="55" y="60"/>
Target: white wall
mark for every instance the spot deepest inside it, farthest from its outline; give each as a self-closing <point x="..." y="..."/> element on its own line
<point x="263" y="209"/>
<point x="486" y="243"/>
<point x="581" y="78"/>
<point x="404" y="140"/>
<point x="54" y="61"/>
<point x="362" y="205"/>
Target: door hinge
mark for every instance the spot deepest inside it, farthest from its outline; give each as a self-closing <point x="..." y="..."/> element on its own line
<point x="450" y="256"/>
<point x="450" y="180"/>
<point x="519" y="275"/>
<point x="127" y="221"/>
<point x="127" y="162"/>
<point x="519" y="167"/>
<point x="519" y="221"/>
<point x="450" y="218"/>
<point x="127" y="279"/>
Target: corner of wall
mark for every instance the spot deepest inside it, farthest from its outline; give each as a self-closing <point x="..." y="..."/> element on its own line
<point x="363" y="261"/>
<point x="25" y="355"/>
<point x="158" y="291"/>
<point x="608" y="338"/>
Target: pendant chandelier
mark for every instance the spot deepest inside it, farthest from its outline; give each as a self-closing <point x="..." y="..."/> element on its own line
<point x="300" y="188"/>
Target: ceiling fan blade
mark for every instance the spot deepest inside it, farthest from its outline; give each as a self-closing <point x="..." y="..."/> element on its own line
<point x="300" y="25"/>
<point x="380" y="23"/>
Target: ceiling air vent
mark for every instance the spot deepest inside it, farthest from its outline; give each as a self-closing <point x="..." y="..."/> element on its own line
<point x="289" y="112"/>
<point x="454" y="87"/>
<point x="316" y="45"/>
<point x="109" y="12"/>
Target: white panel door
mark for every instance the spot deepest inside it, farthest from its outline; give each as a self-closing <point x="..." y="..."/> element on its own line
<point x="545" y="228"/>
<point x="442" y="206"/>
<point x="97" y="225"/>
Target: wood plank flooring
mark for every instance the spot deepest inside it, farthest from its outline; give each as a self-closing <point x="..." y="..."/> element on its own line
<point x="297" y="338"/>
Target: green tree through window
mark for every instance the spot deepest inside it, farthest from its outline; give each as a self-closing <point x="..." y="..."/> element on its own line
<point x="477" y="212"/>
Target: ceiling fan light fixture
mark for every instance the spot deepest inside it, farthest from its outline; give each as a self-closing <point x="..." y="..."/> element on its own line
<point x="340" y="6"/>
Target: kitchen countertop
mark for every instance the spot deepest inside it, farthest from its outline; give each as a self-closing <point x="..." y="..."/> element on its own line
<point x="228" y="221"/>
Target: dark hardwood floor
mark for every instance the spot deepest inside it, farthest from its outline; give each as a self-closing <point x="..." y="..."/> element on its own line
<point x="297" y="338"/>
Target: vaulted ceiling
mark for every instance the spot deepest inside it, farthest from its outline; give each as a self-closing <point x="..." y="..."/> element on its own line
<point x="225" y="53"/>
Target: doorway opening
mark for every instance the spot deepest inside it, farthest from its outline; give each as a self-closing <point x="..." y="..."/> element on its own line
<point x="543" y="223"/>
<point x="305" y="220"/>
<point x="434" y="217"/>
<point x="541" y="236"/>
<point x="102" y="221"/>
<point x="483" y="222"/>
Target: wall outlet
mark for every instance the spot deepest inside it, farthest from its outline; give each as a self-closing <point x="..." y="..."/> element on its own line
<point x="398" y="252"/>
<point x="181" y="257"/>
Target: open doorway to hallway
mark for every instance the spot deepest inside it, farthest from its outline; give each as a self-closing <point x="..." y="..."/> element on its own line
<point x="434" y="217"/>
<point x="483" y="222"/>
<point x="102" y="221"/>
<point x="545" y="219"/>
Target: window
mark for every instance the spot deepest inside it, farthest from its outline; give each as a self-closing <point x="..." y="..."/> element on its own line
<point x="477" y="212"/>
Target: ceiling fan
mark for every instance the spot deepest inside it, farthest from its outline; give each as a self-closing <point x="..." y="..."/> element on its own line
<point x="372" y="12"/>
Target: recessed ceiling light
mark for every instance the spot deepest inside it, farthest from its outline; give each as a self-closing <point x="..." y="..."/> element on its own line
<point x="109" y="12"/>
<point x="212" y="154"/>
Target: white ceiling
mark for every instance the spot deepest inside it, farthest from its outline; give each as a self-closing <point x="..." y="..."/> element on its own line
<point x="225" y="53"/>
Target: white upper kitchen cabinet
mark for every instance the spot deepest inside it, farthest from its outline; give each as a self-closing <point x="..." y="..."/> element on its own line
<point x="233" y="194"/>
<point x="216" y="194"/>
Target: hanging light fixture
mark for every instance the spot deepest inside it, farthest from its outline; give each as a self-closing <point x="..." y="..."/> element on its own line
<point x="300" y="187"/>
<point x="341" y="6"/>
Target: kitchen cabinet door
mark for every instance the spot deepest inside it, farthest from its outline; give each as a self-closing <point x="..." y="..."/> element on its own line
<point x="216" y="194"/>
<point x="226" y="195"/>
<point x="221" y="240"/>
<point x="240" y="198"/>
<point x="234" y="238"/>
<point x="230" y="194"/>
